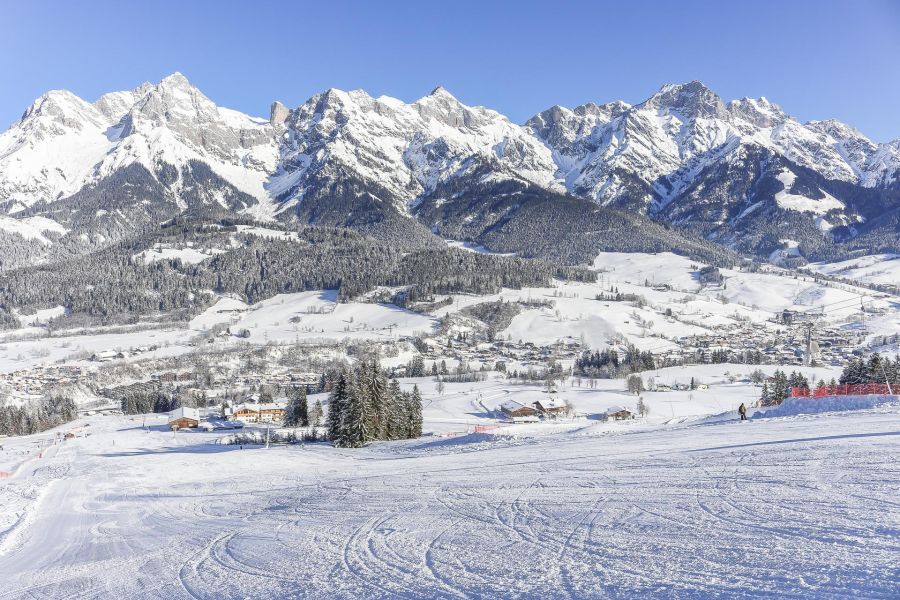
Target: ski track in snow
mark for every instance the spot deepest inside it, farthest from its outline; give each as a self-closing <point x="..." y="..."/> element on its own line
<point x="797" y="506"/>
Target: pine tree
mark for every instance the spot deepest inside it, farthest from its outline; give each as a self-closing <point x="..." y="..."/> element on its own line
<point x="337" y="407"/>
<point x="395" y="411"/>
<point x="302" y="407"/>
<point x="297" y="413"/>
<point x="414" y="414"/>
<point x="357" y="418"/>
<point x="315" y="414"/>
<point x="373" y="386"/>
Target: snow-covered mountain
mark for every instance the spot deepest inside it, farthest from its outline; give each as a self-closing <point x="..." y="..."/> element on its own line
<point x="647" y="154"/>
<point x="743" y="173"/>
<point x="63" y="144"/>
<point x="342" y="151"/>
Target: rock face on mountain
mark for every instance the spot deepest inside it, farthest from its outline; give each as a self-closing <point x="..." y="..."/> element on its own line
<point x="743" y="174"/>
<point x="646" y="156"/>
<point x="389" y="152"/>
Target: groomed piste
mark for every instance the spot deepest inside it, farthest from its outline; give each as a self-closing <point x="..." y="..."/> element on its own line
<point x="803" y="505"/>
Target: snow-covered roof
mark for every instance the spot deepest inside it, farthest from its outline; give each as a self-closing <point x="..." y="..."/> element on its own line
<point x="184" y="412"/>
<point x="255" y="407"/>
<point x="615" y="409"/>
<point x="552" y="402"/>
<point x="511" y="405"/>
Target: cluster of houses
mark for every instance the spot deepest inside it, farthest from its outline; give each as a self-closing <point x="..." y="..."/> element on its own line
<point x="525" y="353"/>
<point x="105" y="356"/>
<point x="551" y="407"/>
<point x="256" y="412"/>
<point x="280" y="379"/>
<point x="233" y="416"/>
<point x="835" y="344"/>
<point x="662" y="387"/>
<point x="34" y="382"/>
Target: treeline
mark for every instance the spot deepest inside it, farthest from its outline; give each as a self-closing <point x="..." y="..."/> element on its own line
<point x="37" y="417"/>
<point x="363" y="406"/>
<point x="159" y="402"/>
<point x="516" y="216"/>
<point x="775" y="390"/>
<point x="353" y="264"/>
<point x="143" y="397"/>
<point x="298" y="412"/>
<point x="496" y="315"/>
<point x="608" y="364"/>
<point x="874" y="369"/>
<point x="101" y="285"/>
<point x="112" y="286"/>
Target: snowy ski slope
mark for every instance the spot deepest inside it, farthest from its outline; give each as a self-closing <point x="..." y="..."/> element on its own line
<point x="804" y="507"/>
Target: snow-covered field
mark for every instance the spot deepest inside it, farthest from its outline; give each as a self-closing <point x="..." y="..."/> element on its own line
<point x="875" y="268"/>
<point x="803" y="506"/>
<point x="314" y="316"/>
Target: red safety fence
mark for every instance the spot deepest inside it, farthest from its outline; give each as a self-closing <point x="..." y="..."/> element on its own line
<point x="4" y="474"/>
<point x="484" y="428"/>
<point x="856" y="389"/>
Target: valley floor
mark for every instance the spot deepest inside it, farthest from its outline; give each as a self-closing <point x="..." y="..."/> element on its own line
<point x="804" y="506"/>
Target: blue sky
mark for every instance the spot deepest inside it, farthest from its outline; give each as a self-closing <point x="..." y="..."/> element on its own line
<point x="817" y="59"/>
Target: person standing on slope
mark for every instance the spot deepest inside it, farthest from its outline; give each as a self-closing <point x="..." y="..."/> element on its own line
<point x="742" y="410"/>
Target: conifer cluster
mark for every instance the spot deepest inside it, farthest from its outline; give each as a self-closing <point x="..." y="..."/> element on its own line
<point x="364" y="406"/>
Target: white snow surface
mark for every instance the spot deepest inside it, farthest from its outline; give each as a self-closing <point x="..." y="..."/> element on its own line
<point x="32" y="228"/>
<point x="875" y="268"/>
<point x="804" y="507"/>
<point x="188" y="256"/>
<point x="797" y="202"/>
<point x="801" y="406"/>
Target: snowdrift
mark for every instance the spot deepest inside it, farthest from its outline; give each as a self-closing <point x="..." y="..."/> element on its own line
<point x="800" y="406"/>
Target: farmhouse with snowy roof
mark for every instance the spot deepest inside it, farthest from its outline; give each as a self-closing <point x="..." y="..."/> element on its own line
<point x="265" y="412"/>
<point x="518" y="412"/>
<point x="552" y="405"/>
<point x="184" y="417"/>
<point x="617" y="413"/>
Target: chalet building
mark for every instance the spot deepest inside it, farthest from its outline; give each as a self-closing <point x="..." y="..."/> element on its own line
<point x="518" y="412"/>
<point x="184" y="418"/>
<point x="267" y="412"/>
<point x="617" y="413"/>
<point x="244" y="412"/>
<point x="551" y="406"/>
<point x="107" y="355"/>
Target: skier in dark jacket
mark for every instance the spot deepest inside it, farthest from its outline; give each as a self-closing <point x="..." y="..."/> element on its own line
<point x="742" y="410"/>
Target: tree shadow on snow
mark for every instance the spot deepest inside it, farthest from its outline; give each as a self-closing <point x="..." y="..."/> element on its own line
<point x="800" y="440"/>
<point x="197" y="449"/>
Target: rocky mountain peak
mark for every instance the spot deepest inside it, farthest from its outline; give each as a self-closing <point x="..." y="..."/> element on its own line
<point x="278" y="113"/>
<point x="62" y="108"/>
<point x="690" y="100"/>
<point x="759" y="112"/>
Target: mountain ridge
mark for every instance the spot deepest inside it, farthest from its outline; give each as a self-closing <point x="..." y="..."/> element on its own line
<point x="683" y="156"/>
